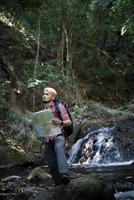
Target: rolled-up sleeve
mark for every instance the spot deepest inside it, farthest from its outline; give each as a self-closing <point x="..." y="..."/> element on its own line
<point x="64" y="113"/>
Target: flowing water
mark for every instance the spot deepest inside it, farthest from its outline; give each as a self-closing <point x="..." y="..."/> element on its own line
<point x="96" y="147"/>
<point x="97" y="151"/>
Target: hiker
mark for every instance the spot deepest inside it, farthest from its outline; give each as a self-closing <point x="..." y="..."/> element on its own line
<point x="55" y="144"/>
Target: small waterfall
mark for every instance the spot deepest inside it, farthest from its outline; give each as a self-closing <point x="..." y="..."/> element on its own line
<point x="77" y="146"/>
<point x="96" y="148"/>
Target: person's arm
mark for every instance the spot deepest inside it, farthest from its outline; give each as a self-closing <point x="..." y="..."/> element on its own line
<point x="64" y="123"/>
<point x="65" y="117"/>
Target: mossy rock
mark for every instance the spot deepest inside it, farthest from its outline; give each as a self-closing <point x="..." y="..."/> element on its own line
<point x="85" y="187"/>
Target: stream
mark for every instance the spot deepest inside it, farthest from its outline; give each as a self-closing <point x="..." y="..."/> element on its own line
<point x="97" y="151"/>
<point x="121" y="177"/>
<point x="100" y="151"/>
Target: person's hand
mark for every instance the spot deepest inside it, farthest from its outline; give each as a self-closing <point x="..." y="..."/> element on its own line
<point x="56" y="121"/>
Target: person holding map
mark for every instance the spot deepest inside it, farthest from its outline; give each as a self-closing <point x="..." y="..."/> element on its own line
<point x="55" y="143"/>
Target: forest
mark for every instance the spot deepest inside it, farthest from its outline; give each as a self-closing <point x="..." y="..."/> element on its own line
<point x="83" y="49"/>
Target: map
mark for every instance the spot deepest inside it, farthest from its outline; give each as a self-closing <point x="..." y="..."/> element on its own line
<point x="43" y="125"/>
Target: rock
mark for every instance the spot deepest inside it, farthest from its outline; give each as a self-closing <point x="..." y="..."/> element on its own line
<point x="85" y="187"/>
<point x="38" y="174"/>
<point x="128" y="195"/>
<point x="12" y="183"/>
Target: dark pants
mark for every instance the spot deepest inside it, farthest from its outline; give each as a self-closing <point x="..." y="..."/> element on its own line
<point x="56" y="158"/>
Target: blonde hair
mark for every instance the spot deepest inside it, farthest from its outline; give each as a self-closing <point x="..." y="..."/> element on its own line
<point x="52" y="91"/>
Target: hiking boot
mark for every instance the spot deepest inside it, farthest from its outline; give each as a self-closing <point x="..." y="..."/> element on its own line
<point x="64" y="179"/>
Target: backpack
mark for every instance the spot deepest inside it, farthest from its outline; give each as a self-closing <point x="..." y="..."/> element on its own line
<point x="69" y="129"/>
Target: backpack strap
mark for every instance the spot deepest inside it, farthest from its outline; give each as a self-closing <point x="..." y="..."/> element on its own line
<point x="69" y="129"/>
<point x="56" y="104"/>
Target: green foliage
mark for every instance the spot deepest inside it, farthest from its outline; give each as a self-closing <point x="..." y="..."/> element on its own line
<point x="46" y="73"/>
<point x="100" y="43"/>
<point x="4" y="107"/>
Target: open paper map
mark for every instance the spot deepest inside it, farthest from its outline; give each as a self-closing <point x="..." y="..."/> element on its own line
<point x="43" y="125"/>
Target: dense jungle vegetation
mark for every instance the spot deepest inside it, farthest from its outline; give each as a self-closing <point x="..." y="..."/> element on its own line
<point x="84" y="49"/>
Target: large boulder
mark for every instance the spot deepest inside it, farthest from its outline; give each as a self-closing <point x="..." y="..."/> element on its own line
<point x="124" y="134"/>
<point x="85" y="187"/>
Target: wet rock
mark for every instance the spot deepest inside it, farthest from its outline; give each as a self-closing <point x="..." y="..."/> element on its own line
<point x="38" y="174"/>
<point x="11" y="183"/>
<point x="124" y="186"/>
<point x="12" y="187"/>
<point x="15" y="196"/>
<point x="11" y="178"/>
<point x="41" y="194"/>
<point x="128" y="195"/>
<point x="124" y="135"/>
<point x="85" y="187"/>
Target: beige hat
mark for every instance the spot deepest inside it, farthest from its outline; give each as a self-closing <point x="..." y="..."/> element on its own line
<point x="51" y="91"/>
